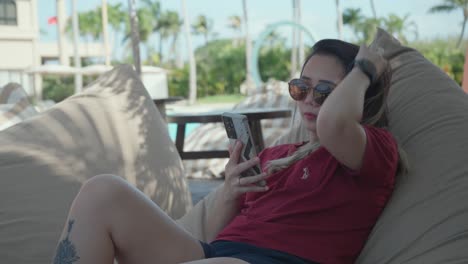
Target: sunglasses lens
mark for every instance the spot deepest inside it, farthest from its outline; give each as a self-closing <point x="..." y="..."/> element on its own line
<point x="321" y="92"/>
<point x="298" y="89"/>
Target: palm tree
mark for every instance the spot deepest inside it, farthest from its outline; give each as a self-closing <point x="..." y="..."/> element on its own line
<point x="135" y="35"/>
<point x="294" y="41"/>
<point x="91" y="22"/>
<point x="451" y="5"/>
<point x="398" y="26"/>
<point x="193" y="68"/>
<point x="105" y="22"/>
<point x="144" y="27"/>
<point x="364" y="28"/>
<point x="339" y="21"/>
<point x="76" y="54"/>
<point x="202" y="26"/>
<point x="248" y="50"/>
<point x="154" y="8"/>
<point x="149" y="13"/>
<point x="61" y="26"/>
<point x="301" y="40"/>
<point x="274" y="39"/>
<point x="235" y="22"/>
<point x="169" y="25"/>
<point x="373" y="9"/>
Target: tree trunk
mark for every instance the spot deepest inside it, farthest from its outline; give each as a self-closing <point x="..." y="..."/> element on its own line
<point x="248" y="52"/>
<point x="294" y="42"/>
<point x="193" y="68"/>
<point x="178" y="56"/>
<point x="339" y="21"/>
<point x="135" y="35"/>
<point x="173" y="47"/>
<point x="160" y="52"/>
<point x="148" y="54"/>
<point x="61" y="25"/>
<point x="465" y="18"/>
<point x="76" y="53"/>
<point x="105" y="37"/>
<point x="301" y="39"/>
<point x="373" y="9"/>
<point x="461" y="33"/>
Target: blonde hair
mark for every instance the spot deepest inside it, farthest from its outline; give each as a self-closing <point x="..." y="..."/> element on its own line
<point x="302" y="152"/>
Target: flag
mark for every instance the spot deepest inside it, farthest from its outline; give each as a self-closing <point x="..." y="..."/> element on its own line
<point x="52" y="20"/>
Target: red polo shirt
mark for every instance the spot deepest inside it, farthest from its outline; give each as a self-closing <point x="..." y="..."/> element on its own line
<point x="317" y="208"/>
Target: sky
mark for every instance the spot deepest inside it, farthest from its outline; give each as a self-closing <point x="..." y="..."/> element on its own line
<point x="319" y="16"/>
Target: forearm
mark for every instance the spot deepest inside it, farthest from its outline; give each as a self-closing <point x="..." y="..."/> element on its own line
<point x="222" y="213"/>
<point x="344" y="106"/>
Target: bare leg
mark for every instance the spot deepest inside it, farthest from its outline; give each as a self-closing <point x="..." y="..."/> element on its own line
<point x="111" y="219"/>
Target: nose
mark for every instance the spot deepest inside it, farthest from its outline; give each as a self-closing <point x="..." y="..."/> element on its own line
<point x="310" y="99"/>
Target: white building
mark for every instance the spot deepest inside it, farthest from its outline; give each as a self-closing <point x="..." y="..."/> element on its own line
<point x="19" y="33"/>
<point x="20" y="49"/>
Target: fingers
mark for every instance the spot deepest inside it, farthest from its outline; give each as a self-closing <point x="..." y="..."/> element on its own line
<point x="252" y="179"/>
<point x="243" y="166"/>
<point x="252" y="188"/>
<point x="234" y="153"/>
<point x="230" y="148"/>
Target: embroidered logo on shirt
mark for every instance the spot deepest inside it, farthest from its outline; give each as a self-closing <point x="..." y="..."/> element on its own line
<point x="305" y="175"/>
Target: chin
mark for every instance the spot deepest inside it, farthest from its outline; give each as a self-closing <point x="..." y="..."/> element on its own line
<point x="310" y="126"/>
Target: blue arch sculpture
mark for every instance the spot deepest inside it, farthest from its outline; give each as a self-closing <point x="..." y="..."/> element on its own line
<point x="258" y="44"/>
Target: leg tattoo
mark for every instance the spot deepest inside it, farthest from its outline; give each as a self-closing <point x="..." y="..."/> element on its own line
<point x="66" y="251"/>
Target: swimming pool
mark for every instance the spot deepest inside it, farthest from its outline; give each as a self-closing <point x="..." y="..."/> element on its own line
<point x="188" y="128"/>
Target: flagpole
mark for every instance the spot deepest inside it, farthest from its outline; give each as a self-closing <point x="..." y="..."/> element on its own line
<point x="76" y="53"/>
<point x="62" y="42"/>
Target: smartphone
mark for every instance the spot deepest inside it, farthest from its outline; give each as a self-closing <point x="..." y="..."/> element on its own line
<point x="237" y="128"/>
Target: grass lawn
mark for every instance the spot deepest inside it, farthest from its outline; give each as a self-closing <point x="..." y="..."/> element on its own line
<point x="216" y="99"/>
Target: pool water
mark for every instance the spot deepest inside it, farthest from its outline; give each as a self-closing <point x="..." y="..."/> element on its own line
<point x="188" y="128"/>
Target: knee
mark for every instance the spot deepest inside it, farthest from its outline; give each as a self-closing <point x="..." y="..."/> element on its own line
<point x="104" y="189"/>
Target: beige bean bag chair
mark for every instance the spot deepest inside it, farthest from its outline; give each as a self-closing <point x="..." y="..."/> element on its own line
<point x="426" y="220"/>
<point x="112" y="127"/>
<point x="15" y="106"/>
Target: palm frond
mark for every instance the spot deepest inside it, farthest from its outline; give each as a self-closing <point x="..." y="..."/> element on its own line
<point x="442" y="8"/>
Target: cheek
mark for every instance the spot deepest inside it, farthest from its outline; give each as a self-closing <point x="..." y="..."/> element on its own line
<point x="300" y="105"/>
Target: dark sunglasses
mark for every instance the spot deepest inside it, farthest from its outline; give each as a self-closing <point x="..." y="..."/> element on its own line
<point x="300" y="88"/>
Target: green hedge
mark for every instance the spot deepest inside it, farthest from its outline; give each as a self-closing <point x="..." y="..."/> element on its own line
<point x="221" y="68"/>
<point x="442" y="52"/>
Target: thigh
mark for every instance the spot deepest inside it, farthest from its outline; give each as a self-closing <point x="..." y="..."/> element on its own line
<point x="223" y="260"/>
<point x="140" y="230"/>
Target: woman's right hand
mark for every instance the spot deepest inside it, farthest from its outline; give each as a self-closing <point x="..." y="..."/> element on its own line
<point x="234" y="184"/>
<point x="373" y="54"/>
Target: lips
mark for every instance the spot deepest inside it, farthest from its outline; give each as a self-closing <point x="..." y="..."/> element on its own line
<point x="310" y="116"/>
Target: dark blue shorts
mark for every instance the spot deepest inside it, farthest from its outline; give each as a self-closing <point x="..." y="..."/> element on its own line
<point x="250" y="253"/>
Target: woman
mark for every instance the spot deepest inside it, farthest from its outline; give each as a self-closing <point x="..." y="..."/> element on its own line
<point x="321" y="200"/>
